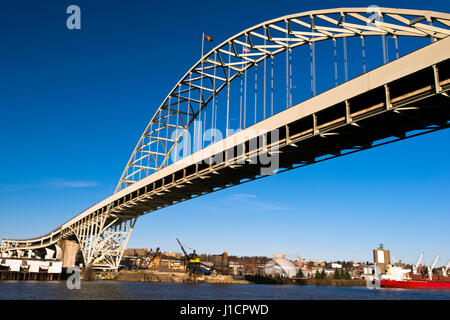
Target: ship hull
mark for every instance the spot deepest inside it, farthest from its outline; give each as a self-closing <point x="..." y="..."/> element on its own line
<point x="437" y="285"/>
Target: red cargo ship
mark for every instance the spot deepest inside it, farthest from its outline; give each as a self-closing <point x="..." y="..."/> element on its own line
<point x="411" y="284"/>
<point x="398" y="277"/>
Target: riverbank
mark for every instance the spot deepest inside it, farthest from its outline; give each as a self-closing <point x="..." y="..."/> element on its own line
<point x="168" y="277"/>
<point x="305" y="281"/>
<point x="333" y="282"/>
<point x="181" y="277"/>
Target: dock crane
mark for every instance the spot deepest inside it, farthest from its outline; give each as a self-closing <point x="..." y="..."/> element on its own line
<point x="416" y="267"/>
<point x="182" y="248"/>
<point x="192" y="261"/>
<point x="430" y="269"/>
<point x="444" y="271"/>
<point x="152" y="256"/>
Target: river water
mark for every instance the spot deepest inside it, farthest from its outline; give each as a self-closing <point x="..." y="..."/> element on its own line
<point x="25" y="290"/>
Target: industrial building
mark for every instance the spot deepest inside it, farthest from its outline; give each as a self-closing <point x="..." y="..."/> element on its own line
<point x="280" y="266"/>
<point x="382" y="258"/>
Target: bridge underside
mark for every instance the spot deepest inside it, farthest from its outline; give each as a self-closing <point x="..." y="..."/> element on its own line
<point x="408" y="107"/>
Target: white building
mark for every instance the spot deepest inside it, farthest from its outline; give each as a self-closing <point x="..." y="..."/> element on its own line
<point x="280" y="266"/>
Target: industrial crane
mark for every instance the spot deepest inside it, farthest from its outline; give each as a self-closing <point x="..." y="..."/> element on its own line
<point x="193" y="264"/>
<point x="152" y="253"/>
<point x="430" y="269"/>
<point x="184" y="251"/>
<point x="444" y="271"/>
<point x="415" y="269"/>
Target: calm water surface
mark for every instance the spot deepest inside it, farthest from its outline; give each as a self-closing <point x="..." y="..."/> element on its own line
<point x="167" y="291"/>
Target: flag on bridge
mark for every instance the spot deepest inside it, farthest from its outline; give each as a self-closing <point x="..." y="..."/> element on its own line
<point x="207" y="38"/>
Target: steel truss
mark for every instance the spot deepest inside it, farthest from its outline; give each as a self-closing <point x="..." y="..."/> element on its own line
<point x="103" y="238"/>
<point x="229" y="60"/>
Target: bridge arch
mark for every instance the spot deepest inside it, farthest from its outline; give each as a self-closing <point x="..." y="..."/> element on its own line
<point x="241" y="52"/>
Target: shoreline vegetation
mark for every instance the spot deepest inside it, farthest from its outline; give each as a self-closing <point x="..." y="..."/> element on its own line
<point x="181" y="277"/>
<point x="306" y="281"/>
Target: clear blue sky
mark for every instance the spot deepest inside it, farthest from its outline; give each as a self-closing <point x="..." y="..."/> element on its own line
<point x="74" y="103"/>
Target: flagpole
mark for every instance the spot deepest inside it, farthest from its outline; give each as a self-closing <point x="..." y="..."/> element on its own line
<point x="200" y="99"/>
<point x="203" y="41"/>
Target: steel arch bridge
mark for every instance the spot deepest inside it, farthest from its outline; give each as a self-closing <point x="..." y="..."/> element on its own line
<point x="397" y="100"/>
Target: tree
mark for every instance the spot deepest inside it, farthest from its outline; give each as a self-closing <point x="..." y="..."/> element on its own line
<point x="321" y="275"/>
<point x="337" y="274"/>
<point x="317" y="276"/>
<point x="347" y="275"/>
<point x="347" y="264"/>
<point x="300" y="273"/>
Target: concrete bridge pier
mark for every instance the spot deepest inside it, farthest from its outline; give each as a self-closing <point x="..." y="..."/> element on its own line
<point x="69" y="252"/>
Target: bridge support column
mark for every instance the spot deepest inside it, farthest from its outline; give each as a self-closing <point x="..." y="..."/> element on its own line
<point x="69" y="252"/>
<point x="103" y="239"/>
